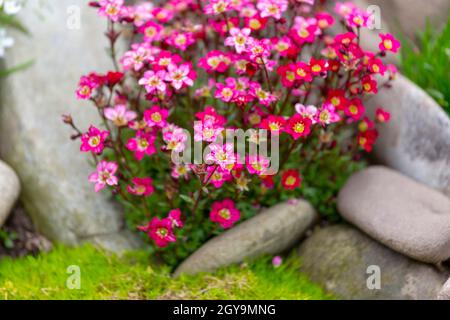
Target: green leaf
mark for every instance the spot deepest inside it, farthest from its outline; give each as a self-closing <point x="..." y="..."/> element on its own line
<point x="186" y="198"/>
<point x="12" y="22"/>
<point x="7" y="72"/>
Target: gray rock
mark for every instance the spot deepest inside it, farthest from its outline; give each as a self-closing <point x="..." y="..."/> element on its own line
<point x="416" y="141"/>
<point x="9" y="191"/>
<point x="444" y="294"/>
<point x="399" y="212"/>
<point x="346" y="263"/>
<point x="270" y="232"/>
<point x="56" y="192"/>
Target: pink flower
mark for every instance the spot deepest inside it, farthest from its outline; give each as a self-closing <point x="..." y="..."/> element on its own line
<point x="142" y="144"/>
<point x="238" y="39"/>
<point x="120" y="115"/>
<point x="217" y="7"/>
<point x="277" y="261"/>
<point x="111" y="9"/>
<point x="154" y="81"/>
<point x="218" y="176"/>
<point x="389" y="43"/>
<point x="104" y="175"/>
<point x="206" y="131"/>
<point x="257" y="164"/>
<point x="93" y="140"/>
<point x="180" y="40"/>
<point x="174" y="137"/>
<point x="180" y="76"/>
<point x="327" y="114"/>
<point x="156" y="116"/>
<point x="141" y="187"/>
<point x="224" y="92"/>
<point x="215" y="61"/>
<point x="161" y="231"/>
<point x="382" y="115"/>
<point x="222" y="155"/>
<point x="307" y="111"/>
<point x="151" y="31"/>
<point x="180" y="170"/>
<point x="135" y="59"/>
<point x="272" y="8"/>
<point x="175" y="217"/>
<point x="211" y="114"/>
<point x="224" y="213"/>
<point x="86" y="86"/>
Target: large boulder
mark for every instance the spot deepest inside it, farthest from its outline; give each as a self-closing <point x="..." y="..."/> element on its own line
<point x="9" y="191"/>
<point x="444" y="294"/>
<point x="56" y="192"/>
<point x="352" y="266"/>
<point x="270" y="232"/>
<point x="416" y="141"/>
<point x="399" y="212"/>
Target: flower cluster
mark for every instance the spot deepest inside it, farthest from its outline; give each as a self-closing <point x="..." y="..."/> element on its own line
<point x="204" y="67"/>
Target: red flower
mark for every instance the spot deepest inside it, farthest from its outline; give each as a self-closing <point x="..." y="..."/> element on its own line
<point x="354" y="109"/>
<point x="274" y="124"/>
<point x="224" y="213"/>
<point x="291" y="180"/>
<point x="382" y="115"/>
<point x="287" y="74"/>
<point x="318" y="67"/>
<point x="369" y="85"/>
<point x="298" y="126"/>
<point x="113" y="78"/>
<point x="160" y="231"/>
<point x="303" y="71"/>
<point x="367" y="139"/>
<point x="337" y="99"/>
<point x="267" y="181"/>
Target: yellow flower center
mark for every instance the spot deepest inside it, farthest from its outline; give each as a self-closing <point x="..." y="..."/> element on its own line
<point x="225" y="213"/>
<point x="156" y="117"/>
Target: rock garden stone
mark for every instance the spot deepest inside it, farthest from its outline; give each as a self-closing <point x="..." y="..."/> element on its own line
<point x="56" y="192"/>
<point x="444" y="294"/>
<point x="399" y="212"/>
<point x="350" y="265"/>
<point x="416" y="141"/>
<point x="9" y="191"/>
<point x="270" y="232"/>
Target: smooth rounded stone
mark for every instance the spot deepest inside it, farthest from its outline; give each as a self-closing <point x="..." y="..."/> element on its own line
<point x="399" y="212"/>
<point x="9" y="191"/>
<point x="416" y="141"/>
<point x="56" y="192"/>
<point x="352" y="266"/>
<point x="444" y="294"/>
<point x="270" y="232"/>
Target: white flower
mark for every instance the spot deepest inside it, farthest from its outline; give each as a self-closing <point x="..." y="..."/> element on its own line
<point x="5" y="41"/>
<point x="11" y="7"/>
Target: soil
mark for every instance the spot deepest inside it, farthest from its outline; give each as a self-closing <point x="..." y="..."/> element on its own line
<point x="19" y="238"/>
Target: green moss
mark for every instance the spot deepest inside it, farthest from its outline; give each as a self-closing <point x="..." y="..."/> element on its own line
<point x="105" y="276"/>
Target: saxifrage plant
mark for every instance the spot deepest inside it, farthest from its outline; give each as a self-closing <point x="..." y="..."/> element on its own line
<point x="210" y="67"/>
